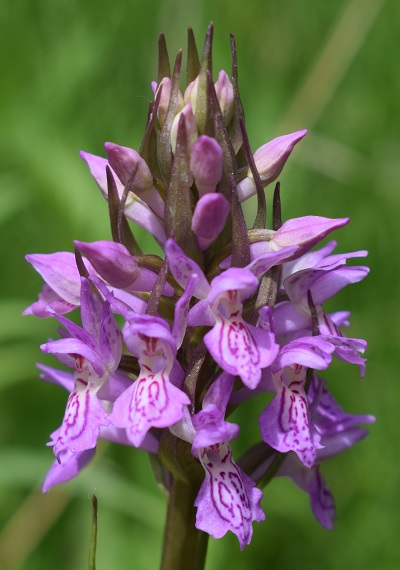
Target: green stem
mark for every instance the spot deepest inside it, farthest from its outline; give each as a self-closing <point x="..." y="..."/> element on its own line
<point x="185" y="547"/>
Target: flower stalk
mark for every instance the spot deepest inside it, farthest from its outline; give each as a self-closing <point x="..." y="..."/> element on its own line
<point x="184" y="547"/>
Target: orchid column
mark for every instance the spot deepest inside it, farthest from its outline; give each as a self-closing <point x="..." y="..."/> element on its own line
<point x="226" y="313"/>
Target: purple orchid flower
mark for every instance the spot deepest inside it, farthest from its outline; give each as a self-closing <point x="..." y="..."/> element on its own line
<point x="227" y="499"/>
<point x="285" y="423"/>
<point x="339" y="431"/>
<point x="293" y="318"/>
<point x="95" y="352"/>
<point x="109" y="260"/>
<point x="238" y="347"/>
<point x="69" y="463"/>
<point x="152" y="400"/>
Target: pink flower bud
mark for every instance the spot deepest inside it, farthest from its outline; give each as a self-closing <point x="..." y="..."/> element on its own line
<point x="190" y="95"/>
<point x="124" y="161"/>
<point x="190" y="124"/>
<point x="224" y="91"/>
<point x="270" y="159"/>
<point x="206" y="164"/>
<point x="112" y="261"/>
<point x="209" y="217"/>
<point x="166" y="85"/>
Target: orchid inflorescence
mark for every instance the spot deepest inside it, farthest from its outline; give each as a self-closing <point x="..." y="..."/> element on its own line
<point x="226" y="314"/>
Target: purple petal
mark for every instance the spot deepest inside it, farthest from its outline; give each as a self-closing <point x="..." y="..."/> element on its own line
<point x="84" y="415"/>
<point x="228" y="498"/>
<point x="91" y="309"/>
<point x="55" y="376"/>
<point x="241" y="349"/>
<point x="347" y="349"/>
<point x="220" y="392"/>
<point x="76" y="331"/>
<point x="289" y="318"/>
<point x="236" y="280"/>
<point x="97" y="166"/>
<point x="121" y="302"/>
<point x="114" y="385"/>
<point x="309" y="260"/>
<point x="151" y="401"/>
<point x="331" y="420"/>
<point x="145" y="282"/>
<point x="110" y="339"/>
<point x="305" y="232"/>
<point x="311" y="352"/>
<point x="48" y="304"/>
<point x="150" y="336"/>
<point x="321" y="499"/>
<point x="60" y="273"/>
<point x="340" y="259"/>
<point x="182" y="268"/>
<point x="264" y="262"/>
<point x="322" y="284"/>
<point x="73" y="346"/>
<point x="211" y="428"/>
<point x="141" y="214"/>
<point x="68" y="467"/>
<point x="182" y="309"/>
<point x="285" y="423"/>
<point x="200" y="315"/>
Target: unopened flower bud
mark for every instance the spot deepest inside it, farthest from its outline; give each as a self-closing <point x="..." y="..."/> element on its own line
<point x="124" y="161"/>
<point x="190" y="95"/>
<point x="209" y="217"/>
<point x="206" y="164"/>
<point x="166" y="86"/>
<point x="112" y="261"/>
<point x="224" y="91"/>
<point x="190" y="124"/>
<point x="270" y="159"/>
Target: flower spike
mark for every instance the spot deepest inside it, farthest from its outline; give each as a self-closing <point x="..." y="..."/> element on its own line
<point x="170" y="344"/>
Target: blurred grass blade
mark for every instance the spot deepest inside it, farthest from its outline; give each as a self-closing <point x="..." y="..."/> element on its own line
<point x="93" y="539"/>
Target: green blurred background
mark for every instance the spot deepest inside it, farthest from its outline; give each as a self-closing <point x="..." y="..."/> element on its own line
<point x="76" y="73"/>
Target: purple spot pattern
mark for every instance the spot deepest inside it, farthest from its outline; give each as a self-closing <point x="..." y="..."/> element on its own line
<point x="285" y="423"/>
<point x="231" y="343"/>
<point x="238" y="351"/>
<point x="84" y="415"/>
<point x="151" y="401"/>
<point x="228" y="499"/>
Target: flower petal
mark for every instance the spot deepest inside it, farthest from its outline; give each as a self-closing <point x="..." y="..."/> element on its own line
<point x="228" y="498"/>
<point x="285" y="423"/>
<point x="68" y="467"/>
<point x="182" y="268"/>
<point x="80" y="429"/>
<point x="151" y="401"/>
